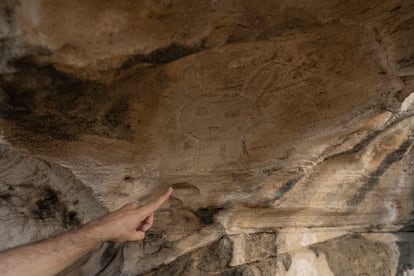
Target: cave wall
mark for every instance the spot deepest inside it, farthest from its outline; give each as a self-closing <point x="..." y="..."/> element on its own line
<point x="285" y="127"/>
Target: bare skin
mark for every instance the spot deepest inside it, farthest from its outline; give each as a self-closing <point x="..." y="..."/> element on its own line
<point x="48" y="257"/>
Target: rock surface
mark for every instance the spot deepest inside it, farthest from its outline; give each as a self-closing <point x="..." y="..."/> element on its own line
<point x="285" y="127"/>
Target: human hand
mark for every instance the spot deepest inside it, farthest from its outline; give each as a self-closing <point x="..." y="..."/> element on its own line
<point x="130" y="222"/>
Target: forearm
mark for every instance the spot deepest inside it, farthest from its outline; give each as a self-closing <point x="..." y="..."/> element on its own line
<point x="128" y="223"/>
<point x="50" y="256"/>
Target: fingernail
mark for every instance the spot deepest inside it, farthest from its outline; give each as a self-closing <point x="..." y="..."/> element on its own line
<point x="170" y="189"/>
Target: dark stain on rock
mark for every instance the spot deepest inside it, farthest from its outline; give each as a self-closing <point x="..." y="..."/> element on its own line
<point x="232" y="114"/>
<point x="214" y="259"/>
<point x="129" y="178"/>
<point x="182" y="185"/>
<point x="272" y="170"/>
<point x="153" y="242"/>
<point x="216" y="256"/>
<point x="111" y="259"/>
<point x="163" y="55"/>
<point x="152" y="236"/>
<point x="374" y="177"/>
<point x="115" y="121"/>
<point x="117" y="113"/>
<point x="286" y="187"/>
<point x="406" y="62"/>
<point x="349" y="255"/>
<point x="286" y="261"/>
<point x="396" y="8"/>
<point x="240" y="177"/>
<point x="40" y="97"/>
<point x="5" y="196"/>
<point x="408" y="227"/>
<point x="8" y="7"/>
<point x="402" y="94"/>
<point x="47" y="206"/>
<point x="406" y="254"/>
<point x="206" y="215"/>
<point x="108" y="253"/>
<point x="43" y="100"/>
<point x="185" y="186"/>
<point x="70" y="219"/>
<point x="358" y="147"/>
<point x="50" y="206"/>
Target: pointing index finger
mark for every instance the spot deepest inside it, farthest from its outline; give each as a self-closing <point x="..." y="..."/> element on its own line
<point x="150" y="207"/>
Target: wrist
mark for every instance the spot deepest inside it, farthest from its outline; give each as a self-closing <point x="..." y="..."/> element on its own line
<point x="96" y="231"/>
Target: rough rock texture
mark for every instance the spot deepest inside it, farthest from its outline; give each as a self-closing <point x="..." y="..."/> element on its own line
<point x="285" y="127"/>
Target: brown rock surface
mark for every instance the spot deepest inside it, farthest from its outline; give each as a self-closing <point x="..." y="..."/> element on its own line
<point x="285" y="127"/>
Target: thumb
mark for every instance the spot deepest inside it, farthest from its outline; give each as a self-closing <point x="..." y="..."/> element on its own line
<point x="137" y="236"/>
<point x="145" y="227"/>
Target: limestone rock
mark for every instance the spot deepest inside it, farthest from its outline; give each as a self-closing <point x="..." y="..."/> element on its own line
<point x="285" y="127"/>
